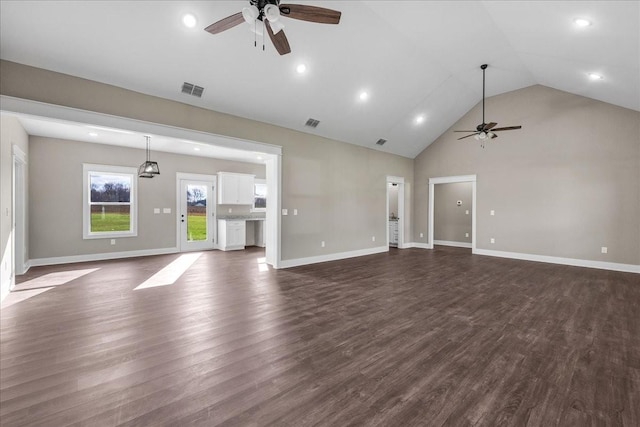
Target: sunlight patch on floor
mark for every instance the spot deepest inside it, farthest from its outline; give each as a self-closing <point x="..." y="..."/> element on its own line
<point x="171" y="273"/>
<point x="262" y="264"/>
<point x="53" y="279"/>
<point x="16" y="297"/>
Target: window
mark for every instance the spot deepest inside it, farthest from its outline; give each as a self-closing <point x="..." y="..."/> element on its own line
<point x="109" y="196"/>
<point x="259" y="195"/>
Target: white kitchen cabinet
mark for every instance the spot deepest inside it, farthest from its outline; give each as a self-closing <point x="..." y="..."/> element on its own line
<point x="235" y="188"/>
<point x="231" y="234"/>
<point x="393" y="233"/>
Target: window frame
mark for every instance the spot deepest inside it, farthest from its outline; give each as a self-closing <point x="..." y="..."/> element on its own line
<point x="258" y="181"/>
<point x="132" y="172"/>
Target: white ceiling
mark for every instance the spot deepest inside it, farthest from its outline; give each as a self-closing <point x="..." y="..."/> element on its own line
<point x="413" y="57"/>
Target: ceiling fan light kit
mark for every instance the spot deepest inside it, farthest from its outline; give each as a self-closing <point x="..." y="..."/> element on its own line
<point x="485" y="131"/>
<point x="269" y="13"/>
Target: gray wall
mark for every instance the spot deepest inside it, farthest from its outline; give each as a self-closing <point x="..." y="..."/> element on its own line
<point x="564" y="185"/>
<point x="55" y="197"/>
<point x="11" y="133"/>
<point x="450" y="221"/>
<point x="339" y="189"/>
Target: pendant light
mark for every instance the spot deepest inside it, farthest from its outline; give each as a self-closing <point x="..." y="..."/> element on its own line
<point x="148" y="169"/>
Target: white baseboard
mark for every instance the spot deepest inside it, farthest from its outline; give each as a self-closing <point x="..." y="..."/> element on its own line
<point x="417" y="245"/>
<point x="454" y="244"/>
<point x="627" y="268"/>
<point x="287" y="263"/>
<point x="100" y="257"/>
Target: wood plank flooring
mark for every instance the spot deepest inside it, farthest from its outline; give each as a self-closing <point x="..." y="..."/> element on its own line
<point x="406" y="338"/>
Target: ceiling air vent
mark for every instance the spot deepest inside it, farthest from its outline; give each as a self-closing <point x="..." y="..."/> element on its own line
<point x="191" y="89"/>
<point x="381" y="141"/>
<point x="312" y="123"/>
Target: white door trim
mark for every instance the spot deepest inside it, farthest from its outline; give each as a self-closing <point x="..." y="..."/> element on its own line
<point x="448" y="180"/>
<point x="19" y="208"/>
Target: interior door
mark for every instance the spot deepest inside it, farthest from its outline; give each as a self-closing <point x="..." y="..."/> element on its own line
<point x="197" y="215"/>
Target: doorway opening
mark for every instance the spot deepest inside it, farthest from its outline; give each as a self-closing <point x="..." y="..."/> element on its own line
<point x="395" y="212"/>
<point x="471" y="180"/>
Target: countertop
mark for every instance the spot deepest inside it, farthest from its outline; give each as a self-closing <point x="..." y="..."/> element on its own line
<point x="242" y="217"/>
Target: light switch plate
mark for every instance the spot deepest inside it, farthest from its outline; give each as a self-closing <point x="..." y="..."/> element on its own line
<point x="492" y="212"/>
<point x="295" y="211"/>
<point x="156" y="210"/>
<point x="166" y="210"/>
<point x="493" y="240"/>
<point x="285" y="212"/>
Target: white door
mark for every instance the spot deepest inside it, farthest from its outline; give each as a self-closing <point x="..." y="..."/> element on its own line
<point x="197" y="215"/>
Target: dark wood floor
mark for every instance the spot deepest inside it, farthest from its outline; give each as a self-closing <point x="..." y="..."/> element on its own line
<point x="412" y="337"/>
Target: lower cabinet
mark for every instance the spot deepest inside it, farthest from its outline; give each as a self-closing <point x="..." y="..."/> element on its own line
<point x="393" y="233"/>
<point x="231" y="234"/>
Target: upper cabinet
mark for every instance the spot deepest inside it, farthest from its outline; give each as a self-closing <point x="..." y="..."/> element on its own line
<point x="235" y="188"/>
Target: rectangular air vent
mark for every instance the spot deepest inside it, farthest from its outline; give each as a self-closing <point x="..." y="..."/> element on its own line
<point x="381" y="141"/>
<point x="312" y="123"/>
<point x="191" y="89"/>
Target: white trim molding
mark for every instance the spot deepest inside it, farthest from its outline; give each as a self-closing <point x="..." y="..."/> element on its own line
<point x="100" y="257"/>
<point x="454" y="244"/>
<point x="419" y="245"/>
<point x="331" y="257"/>
<point x="448" y="180"/>
<point x="627" y="268"/>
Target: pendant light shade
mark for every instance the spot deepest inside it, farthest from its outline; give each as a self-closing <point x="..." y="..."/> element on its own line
<point x="148" y="169"/>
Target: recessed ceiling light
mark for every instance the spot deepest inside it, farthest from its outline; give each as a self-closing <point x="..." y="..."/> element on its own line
<point x="189" y="20"/>
<point x="594" y="76"/>
<point x="301" y="68"/>
<point x="364" y="95"/>
<point x="93" y="134"/>
<point x="420" y="119"/>
<point x="581" y="22"/>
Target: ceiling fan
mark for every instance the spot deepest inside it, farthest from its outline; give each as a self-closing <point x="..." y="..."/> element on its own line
<point x="485" y="131"/>
<point x="269" y="13"/>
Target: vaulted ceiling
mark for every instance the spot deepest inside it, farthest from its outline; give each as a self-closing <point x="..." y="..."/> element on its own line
<point x="413" y="58"/>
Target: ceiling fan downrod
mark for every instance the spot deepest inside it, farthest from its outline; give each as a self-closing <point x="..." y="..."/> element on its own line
<point x="483" y="67"/>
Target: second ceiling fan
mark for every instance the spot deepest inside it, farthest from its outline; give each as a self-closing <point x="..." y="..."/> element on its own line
<point x="269" y="12"/>
<point x="485" y="131"/>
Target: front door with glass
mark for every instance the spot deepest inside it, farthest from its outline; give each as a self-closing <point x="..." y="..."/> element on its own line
<point x="197" y="215"/>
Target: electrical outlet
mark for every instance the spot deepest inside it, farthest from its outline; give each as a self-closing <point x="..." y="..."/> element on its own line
<point x="466" y="212"/>
<point x="466" y="234"/>
<point x="156" y="211"/>
<point x="421" y="234"/>
<point x="113" y="241"/>
<point x="322" y="244"/>
<point x="230" y="210"/>
<point x="492" y="212"/>
<point x="373" y="238"/>
<point x="493" y="240"/>
<point x="295" y="211"/>
<point x="603" y="249"/>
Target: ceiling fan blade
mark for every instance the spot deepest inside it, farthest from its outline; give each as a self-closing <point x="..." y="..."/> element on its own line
<point x="310" y="13"/>
<point x="507" y="128"/>
<point x="493" y="135"/>
<point x="467" y="136"/>
<point x="225" y="24"/>
<point x="489" y="125"/>
<point x="279" y="39"/>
